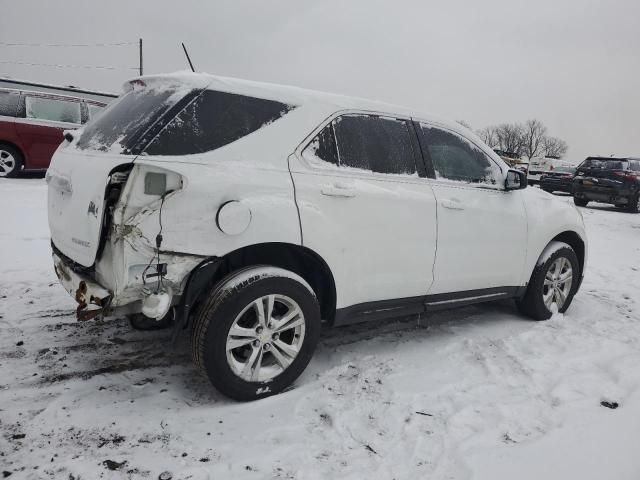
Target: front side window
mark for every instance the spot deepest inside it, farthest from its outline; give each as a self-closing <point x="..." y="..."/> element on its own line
<point x="634" y="165"/>
<point x="455" y="158"/>
<point x="213" y="120"/>
<point x="51" y="109"/>
<point x="365" y="142"/>
<point x="9" y="104"/>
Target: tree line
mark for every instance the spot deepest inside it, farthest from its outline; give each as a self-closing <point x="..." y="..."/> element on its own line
<point x="529" y="139"/>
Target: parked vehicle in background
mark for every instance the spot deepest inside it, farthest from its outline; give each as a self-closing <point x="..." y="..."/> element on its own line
<point x="539" y="166"/>
<point x="513" y="160"/>
<point x="32" y="125"/>
<point x="559" y="179"/>
<point x="256" y="211"/>
<point x="608" y="180"/>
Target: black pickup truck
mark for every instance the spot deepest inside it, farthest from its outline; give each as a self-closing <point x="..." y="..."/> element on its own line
<point x="608" y="180"/>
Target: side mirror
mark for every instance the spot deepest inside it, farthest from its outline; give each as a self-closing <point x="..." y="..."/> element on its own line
<point x="515" y="180"/>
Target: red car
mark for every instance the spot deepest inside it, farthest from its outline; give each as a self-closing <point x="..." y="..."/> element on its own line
<point x="32" y="125"/>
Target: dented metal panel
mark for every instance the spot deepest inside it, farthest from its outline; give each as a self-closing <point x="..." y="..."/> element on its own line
<point x="92" y="298"/>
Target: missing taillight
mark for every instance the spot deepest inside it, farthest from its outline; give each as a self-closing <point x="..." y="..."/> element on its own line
<point x="155" y="183"/>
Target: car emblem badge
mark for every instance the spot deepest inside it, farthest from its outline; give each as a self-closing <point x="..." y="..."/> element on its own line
<point x="92" y="210"/>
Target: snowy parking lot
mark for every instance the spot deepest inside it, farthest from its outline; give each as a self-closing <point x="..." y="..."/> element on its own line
<point x="474" y="393"/>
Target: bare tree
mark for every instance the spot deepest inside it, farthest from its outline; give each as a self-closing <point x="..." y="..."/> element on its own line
<point x="510" y="137"/>
<point x="554" y="147"/>
<point x="534" y="134"/>
<point x="489" y="136"/>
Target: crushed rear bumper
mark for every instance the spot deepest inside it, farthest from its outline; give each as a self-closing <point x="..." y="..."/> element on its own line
<point x="92" y="298"/>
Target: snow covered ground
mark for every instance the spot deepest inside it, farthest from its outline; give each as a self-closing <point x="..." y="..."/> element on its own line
<point x="474" y="393"/>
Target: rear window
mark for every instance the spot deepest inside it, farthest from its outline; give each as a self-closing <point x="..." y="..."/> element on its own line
<point x="604" y="164"/>
<point x="121" y="125"/>
<point x="213" y="120"/>
<point x="564" y="169"/>
<point x="51" y="109"/>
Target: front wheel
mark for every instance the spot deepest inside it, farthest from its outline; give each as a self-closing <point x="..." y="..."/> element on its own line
<point x="553" y="283"/>
<point x="580" y="202"/>
<point x="256" y="332"/>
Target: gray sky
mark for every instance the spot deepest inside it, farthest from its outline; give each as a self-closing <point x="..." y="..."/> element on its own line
<point x="574" y="64"/>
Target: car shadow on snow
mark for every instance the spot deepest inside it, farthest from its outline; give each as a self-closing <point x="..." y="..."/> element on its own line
<point x="109" y="349"/>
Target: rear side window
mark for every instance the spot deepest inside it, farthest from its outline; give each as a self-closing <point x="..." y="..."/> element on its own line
<point x="323" y="147"/>
<point x="455" y="158"/>
<point x="365" y="142"/>
<point x="9" y="104"/>
<point x="634" y="165"/>
<point x="43" y="108"/>
<point x="213" y="120"/>
<point x="119" y="127"/>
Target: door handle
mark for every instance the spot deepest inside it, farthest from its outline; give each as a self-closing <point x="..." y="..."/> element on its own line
<point x="338" y="190"/>
<point x="452" y="204"/>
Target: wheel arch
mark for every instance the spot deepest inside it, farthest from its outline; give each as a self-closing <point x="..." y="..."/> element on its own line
<point x="295" y="258"/>
<point x="576" y="242"/>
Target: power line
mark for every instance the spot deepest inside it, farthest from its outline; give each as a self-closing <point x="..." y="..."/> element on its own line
<point x="116" y="44"/>
<point x="98" y="67"/>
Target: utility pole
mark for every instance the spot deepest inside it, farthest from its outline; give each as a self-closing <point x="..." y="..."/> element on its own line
<point x="140" y="45"/>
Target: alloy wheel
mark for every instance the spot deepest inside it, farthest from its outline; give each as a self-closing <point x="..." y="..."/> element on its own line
<point x="557" y="283"/>
<point x="265" y="338"/>
<point x="7" y="163"/>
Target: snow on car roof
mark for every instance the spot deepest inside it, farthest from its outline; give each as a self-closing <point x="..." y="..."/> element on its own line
<point x="291" y="95"/>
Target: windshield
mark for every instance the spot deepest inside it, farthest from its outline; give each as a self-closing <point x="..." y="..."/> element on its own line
<point x="604" y="164"/>
<point x="119" y="127"/>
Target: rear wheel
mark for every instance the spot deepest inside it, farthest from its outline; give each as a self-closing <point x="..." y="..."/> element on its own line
<point x="11" y="162"/>
<point x="634" y="204"/>
<point x="256" y="332"/>
<point x="553" y="283"/>
<point x="580" y="202"/>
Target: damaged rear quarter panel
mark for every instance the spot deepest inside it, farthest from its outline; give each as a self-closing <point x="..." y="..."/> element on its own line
<point x="189" y="228"/>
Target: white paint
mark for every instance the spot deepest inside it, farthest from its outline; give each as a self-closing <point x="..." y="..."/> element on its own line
<point x="233" y="218"/>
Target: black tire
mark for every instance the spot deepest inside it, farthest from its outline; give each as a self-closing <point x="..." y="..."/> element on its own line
<point x="532" y="304"/>
<point x="218" y="313"/>
<point x="17" y="157"/>
<point x="580" y="202"/>
<point x="139" y="321"/>
<point x="634" y="204"/>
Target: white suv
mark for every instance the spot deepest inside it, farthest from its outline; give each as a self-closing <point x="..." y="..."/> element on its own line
<point x="252" y="212"/>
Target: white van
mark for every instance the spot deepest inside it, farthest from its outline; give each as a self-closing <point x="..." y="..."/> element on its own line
<point x="538" y="166"/>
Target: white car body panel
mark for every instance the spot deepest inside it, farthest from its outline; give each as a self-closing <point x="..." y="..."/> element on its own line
<point x="378" y="237"/>
<point x="482" y="234"/>
<point x="392" y="239"/>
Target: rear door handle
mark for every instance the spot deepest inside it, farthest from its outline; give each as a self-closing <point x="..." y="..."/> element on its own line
<point x="452" y="204"/>
<point x="338" y="190"/>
